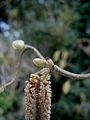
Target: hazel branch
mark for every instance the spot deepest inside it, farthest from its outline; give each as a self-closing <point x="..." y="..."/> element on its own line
<point x="35" y="50"/>
<point x="2" y="88"/>
<point x="70" y="74"/>
<point x="14" y="76"/>
<point x="50" y="63"/>
<point x="60" y="70"/>
<point x="20" y="46"/>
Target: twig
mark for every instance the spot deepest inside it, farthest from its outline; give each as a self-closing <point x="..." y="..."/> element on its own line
<point x="70" y="74"/>
<point x="60" y="70"/>
<point x="56" y="68"/>
<point x="35" y="50"/>
<point x="14" y="76"/>
<point x="26" y="47"/>
<point x="6" y="85"/>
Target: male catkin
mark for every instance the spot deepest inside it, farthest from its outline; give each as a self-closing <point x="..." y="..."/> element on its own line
<point x="38" y="96"/>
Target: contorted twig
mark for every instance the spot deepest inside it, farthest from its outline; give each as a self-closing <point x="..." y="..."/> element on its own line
<point x="60" y="70"/>
<point x="19" y="45"/>
<point x="14" y="76"/>
<point x="35" y="50"/>
<point x="70" y="74"/>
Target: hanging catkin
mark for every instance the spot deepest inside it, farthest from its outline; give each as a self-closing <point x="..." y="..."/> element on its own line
<point x="38" y="96"/>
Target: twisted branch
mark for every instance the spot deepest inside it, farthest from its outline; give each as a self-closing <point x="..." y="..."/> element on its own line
<point x="70" y="74"/>
<point x="60" y="70"/>
<point x="35" y="50"/>
<point x="55" y="68"/>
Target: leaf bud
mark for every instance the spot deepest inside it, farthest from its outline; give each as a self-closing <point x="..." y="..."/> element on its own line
<point x="50" y="63"/>
<point x="18" y="45"/>
<point x="39" y="62"/>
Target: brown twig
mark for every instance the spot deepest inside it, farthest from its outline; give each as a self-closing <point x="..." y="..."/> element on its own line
<point x="7" y="84"/>
<point x="14" y="76"/>
<point x="35" y="50"/>
<point x="56" y="68"/>
<point x="60" y="70"/>
<point x="70" y="74"/>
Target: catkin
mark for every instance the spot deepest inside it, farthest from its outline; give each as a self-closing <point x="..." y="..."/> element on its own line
<point x="38" y="96"/>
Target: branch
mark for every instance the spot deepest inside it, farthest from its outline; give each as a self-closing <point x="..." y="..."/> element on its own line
<point x="60" y="70"/>
<point x="26" y="47"/>
<point x="70" y="74"/>
<point x="35" y="50"/>
<point x="55" y="67"/>
<point x="14" y="76"/>
<point x="6" y="85"/>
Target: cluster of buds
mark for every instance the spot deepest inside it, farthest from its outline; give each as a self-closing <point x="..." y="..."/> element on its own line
<point x="43" y="63"/>
<point x="19" y="45"/>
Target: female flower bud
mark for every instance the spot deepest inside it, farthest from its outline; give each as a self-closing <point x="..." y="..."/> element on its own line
<point x="39" y="62"/>
<point x="18" y="45"/>
<point x="50" y="63"/>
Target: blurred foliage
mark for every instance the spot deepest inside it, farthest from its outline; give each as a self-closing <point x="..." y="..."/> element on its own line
<point x="59" y="29"/>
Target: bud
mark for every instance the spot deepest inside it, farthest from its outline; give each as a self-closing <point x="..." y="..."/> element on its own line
<point x="18" y="45"/>
<point x="50" y="63"/>
<point x="39" y="62"/>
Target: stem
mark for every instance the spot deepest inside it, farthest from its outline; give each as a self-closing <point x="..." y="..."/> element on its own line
<point x="56" y="68"/>
<point x="14" y="76"/>
<point x="7" y="84"/>
<point x="71" y="75"/>
<point x="60" y="70"/>
<point x="35" y="50"/>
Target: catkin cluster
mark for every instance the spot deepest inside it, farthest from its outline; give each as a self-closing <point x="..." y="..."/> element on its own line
<point x="38" y="96"/>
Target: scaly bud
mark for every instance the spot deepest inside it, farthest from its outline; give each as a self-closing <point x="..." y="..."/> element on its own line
<point x="18" y="45"/>
<point x="39" y="62"/>
<point x="50" y="63"/>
